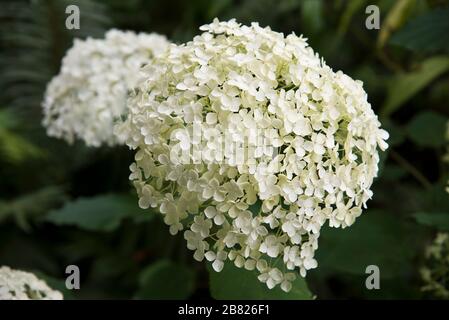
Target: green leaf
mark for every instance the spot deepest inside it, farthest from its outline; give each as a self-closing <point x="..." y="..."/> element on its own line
<point x="376" y="238"/>
<point x="351" y="8"/>
<point x="312" y="15"/>
<point x="32" y="38"/>
<point x="434" y="199"/>
<point x="8" y="120"/>
<point x="100" y="213"/>
<point x="31" y="206"/>
<point x="403" y="87"/>
<point x="426" y="33"/>
<point x="56" y="284"/>
<point x="17" y="149"/>
<point x="166" y="280"/>
<point x="393" y="172"/>
<point x="397" y="134"/>
<point x="240" y="284"/>
<point x="428" y="129"/>
<point x="13" y="147"/>
<point x="438" y="220"/>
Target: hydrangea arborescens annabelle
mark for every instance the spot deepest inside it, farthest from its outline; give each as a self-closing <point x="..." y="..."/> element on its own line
<point x="89" y="93"/>
<point x="20" y="285"/>
<point x="307" y="135"/>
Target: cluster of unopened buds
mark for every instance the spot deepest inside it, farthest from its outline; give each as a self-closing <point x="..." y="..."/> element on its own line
<point x="248" y="143"/>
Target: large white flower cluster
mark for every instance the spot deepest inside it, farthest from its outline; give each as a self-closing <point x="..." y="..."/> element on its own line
<point x="84" y="100"/>
<point x="300" y="148"/>
<point x="20" y="285"/>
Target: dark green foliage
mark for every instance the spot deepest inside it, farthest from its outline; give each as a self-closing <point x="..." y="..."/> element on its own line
<point x="427" y="33"/>
<point x="437" y="220"/>
<point x="166" y="280"/>
<point x="100" y="213"/>
<point x="379" y="238"/>
<point x="235" y="283"/>
<point x="428" y="129"/>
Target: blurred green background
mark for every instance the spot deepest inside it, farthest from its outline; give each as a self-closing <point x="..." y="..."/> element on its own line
<point x="62" y="205"/>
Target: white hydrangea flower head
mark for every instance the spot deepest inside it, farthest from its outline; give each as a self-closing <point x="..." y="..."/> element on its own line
<point x="20" y="285"/>
<point x="305" y="153"/>
<point x="88" y="95"/>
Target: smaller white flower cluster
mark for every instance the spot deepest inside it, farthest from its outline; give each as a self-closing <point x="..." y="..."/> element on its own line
<point x="88" y="95"/>
<point x="239" y="82"/>
<point x="20" y="285"/>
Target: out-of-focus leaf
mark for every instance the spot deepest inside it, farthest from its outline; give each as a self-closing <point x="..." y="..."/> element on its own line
<point x="13" y="147"/>
<point x="394" y="20"/>
<point x="439" y="93"/>
<point x="16" y="149"/>
<point x="101" y="268"/>
<point x="35" y="33"/>
<point x="217" y="7"/>
<point x="382" y="160"/>
<point x="428" y="129"/>
<point x="82" y="245"/>
<point x="287" y="6"/>
<point x="438" y="220"/>
<point x="312" y="15"/>
<point x="7" y="119"/>
<point x="373" y="82"/>
<point x="351" y="8"/>
<point x="376" y="238"/>
<point x="32" y="205"/>
<point x="397" y="134"/>
<point x="427" y="33"/>
<point x="393" y="172"/>
<point x="241" y="284"/>
<point x="166" y="280"/>
<point x="436" y="198"/>
<point x="100" y="213"/>
<point x="403" y="87"/>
